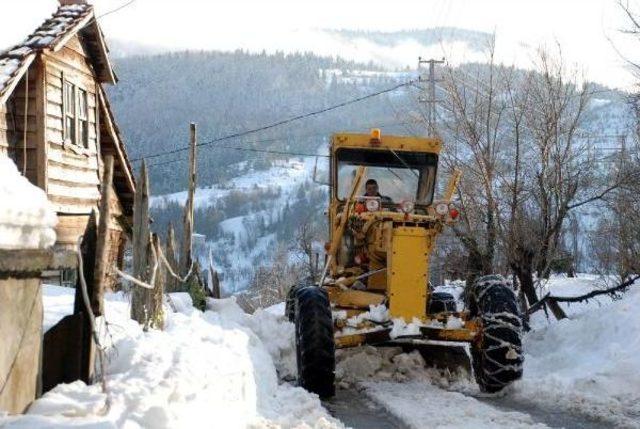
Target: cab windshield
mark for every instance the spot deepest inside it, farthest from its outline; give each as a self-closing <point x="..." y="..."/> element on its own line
<point x="401" y="176"/>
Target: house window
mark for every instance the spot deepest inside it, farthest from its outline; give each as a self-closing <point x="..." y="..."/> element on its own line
<point x="69" y="113"/>
<point x="83" y="118"/>
<point x="76" y="115"/>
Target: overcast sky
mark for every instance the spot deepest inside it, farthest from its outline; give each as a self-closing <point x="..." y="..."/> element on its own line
<point x="582" y="27"/>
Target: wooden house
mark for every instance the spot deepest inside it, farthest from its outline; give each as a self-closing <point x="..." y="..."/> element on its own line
<point x="57" y="125"/>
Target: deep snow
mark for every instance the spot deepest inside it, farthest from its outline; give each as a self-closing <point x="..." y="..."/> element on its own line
<point x="27" y="218"/>
<point x="211" y="369"/>
<point x="224" y="368"/>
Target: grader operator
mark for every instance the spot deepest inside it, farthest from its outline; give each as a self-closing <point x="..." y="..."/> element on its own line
<point x="375" y="285"/>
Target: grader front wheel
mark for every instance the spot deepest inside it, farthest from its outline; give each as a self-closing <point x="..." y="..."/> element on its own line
<point x="315" y="347"/>
<point x="497" y="354"/>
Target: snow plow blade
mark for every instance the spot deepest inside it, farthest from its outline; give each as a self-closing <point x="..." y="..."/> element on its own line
<point x="448" y="355"/>
<point x="452" y="357"/>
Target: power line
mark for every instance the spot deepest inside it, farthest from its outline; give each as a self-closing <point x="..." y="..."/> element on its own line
<point x="277" y="152"/>
<point x="116" y="9"/>
<point x="282" y="122"/>
<point x="246" y="149"/>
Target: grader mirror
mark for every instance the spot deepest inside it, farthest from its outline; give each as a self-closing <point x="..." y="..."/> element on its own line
<point x="374" y="289"/>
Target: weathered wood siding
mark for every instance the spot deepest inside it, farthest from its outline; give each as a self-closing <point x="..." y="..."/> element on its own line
<point x="73" y="170"/>
<point x="20" y="341"/>
<point x="12" y="126"/>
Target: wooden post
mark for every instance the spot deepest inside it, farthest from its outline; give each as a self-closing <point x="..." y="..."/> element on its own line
<point x="140" y="297"/>
<point x="102" y="245"/>
<point x="186" y="257"/>
<point x="88" y="249"/>
<point x="156" y="315"/>
<point x="170" y="253"/>
<point x="214" y="280"/>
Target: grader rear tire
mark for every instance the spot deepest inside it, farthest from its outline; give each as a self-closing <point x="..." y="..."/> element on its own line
<point x="290" y="303"/>
<point x="497" y="355"/>
<point x="315" y="348"/>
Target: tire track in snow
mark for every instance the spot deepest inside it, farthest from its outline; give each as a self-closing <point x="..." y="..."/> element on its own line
<point x="552" y="417"/>
<point x="359" y="411"/>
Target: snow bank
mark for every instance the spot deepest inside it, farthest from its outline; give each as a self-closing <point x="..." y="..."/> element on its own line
<point x="589" y="363"/>
<point x="27" y="219"/>
<point x="204" y="370"/>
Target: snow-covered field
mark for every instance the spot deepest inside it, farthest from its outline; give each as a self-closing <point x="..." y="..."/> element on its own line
<point x="224" y="368"/>
<point x="589" y="363"/>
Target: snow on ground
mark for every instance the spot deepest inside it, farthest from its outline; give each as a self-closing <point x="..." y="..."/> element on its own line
<point x="424" y="405"/>
<point x="211" y="369"/>
<point x="58" y="302"/>
<point x="421" y="397"/>
<point x="586" y="365"/>
<point x="234" y="259"/>
<point x="287" y="175"/>
<point x="27" y="218"/>
<point x="589" y="363"/>
<point x="226" y="365"/>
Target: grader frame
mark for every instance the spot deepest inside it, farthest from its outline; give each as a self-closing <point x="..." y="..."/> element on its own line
<point x="378" y="257"/>
<point x="399" y="276"/>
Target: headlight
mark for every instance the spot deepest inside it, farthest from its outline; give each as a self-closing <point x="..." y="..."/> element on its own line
<point x="442" y="209"/>
<point x="454" y="213"/>
<point x="407" y="206"/>
<point x="372" y="204"/>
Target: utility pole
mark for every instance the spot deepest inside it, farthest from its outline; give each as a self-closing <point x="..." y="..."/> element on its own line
<point x="431" y="98"/>
<point x="186" y="257"/>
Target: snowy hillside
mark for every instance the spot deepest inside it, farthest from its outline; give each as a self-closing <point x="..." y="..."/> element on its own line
<point x="246" y="237"/>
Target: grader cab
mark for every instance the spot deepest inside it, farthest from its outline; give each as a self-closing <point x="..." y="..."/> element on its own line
<point x="374" y="289"/>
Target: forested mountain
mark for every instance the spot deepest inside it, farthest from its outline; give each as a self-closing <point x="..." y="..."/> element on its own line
<point x="225" y="93"/>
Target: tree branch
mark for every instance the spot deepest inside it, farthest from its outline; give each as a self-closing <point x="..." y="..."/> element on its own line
<point x="610" y="291"/>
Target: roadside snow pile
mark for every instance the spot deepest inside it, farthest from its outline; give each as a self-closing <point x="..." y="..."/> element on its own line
<point x="590" y="363"/>
<point x="27" y="218"/>
<point x="204" y="370"/>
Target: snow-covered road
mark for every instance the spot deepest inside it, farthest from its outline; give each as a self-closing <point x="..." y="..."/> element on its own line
<point x="227" y="369"/>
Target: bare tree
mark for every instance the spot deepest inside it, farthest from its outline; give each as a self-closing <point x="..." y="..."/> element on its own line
<point x="474" y="120"/>
<point x="306" y="235"/>
<point x="516" y="136"/>
<point x="270" y="283"/>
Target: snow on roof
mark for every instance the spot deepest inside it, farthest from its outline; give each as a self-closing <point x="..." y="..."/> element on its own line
<point x="17" y="58"/>
<point x="27" y="218"/>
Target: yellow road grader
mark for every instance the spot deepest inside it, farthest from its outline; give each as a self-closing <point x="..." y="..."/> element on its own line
<point x="375" y="289"/>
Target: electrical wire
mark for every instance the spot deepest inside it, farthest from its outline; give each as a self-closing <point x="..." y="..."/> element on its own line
<point x="116" y="9"/>
<point x="282" y="122"/>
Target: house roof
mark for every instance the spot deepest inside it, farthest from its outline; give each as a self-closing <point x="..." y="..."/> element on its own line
<point x="52" y="35"/>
